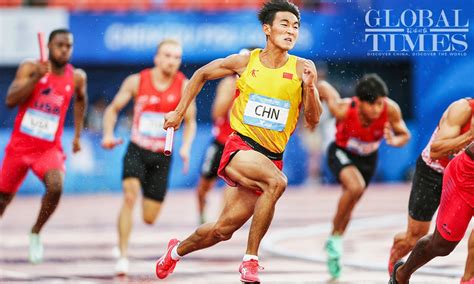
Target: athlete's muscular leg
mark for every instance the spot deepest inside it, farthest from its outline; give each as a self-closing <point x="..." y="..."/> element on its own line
<point x="253" y="170"/>
<point x="404" y="242"/>
<point x="353" y="185"/>
<point x="5" y="199"/>
<point x="151" y="210"/>
<point x="469" y="268"/>
<point x="53" y="180"/>
<point x="131" y="188"/>
<point x="238" y="208"/>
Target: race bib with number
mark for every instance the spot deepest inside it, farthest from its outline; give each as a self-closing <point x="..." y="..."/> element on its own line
<point x="151" y="124"/>
<point x="362" y="148"/>
<point x="40" y="124"/>
<point x="265" y="112"/>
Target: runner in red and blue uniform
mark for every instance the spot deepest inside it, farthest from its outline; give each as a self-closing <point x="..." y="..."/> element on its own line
<point x="42" y="91"/>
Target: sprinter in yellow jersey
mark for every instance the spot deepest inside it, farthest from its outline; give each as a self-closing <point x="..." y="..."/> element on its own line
<point x="270" y="90"/>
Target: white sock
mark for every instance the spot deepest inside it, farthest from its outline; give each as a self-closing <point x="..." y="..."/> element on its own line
<point x="174" y="253"/>
<point x="248" y="257"/>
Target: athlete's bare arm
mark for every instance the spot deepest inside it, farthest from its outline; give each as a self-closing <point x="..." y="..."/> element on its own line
<point x="189" y="132"/>
<point x="225" y="94"/>
<point x="127" y="91"/>
<point x="337" y="106"/>
<point x="311" y="103"/>
<point x="219" y="68"/>
<point x="27" y="75"/>
<point x="396" y="132"/>
<point x="448" y="141"/>
<point x="80" y="106"/>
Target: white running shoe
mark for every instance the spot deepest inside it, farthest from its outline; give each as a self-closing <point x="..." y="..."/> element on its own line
<point x="36" y="249"/>
<point x="121" y="268"/>
<point x="115" y="252"/>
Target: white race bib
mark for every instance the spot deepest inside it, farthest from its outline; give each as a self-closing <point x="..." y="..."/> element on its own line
<point x="40" y="124"/>
<point x="362" y="148"/>
<point x="265" y="112"/>
<point x="151" y="124"/>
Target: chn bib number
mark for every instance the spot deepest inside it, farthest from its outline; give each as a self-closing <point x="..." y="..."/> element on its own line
<point x="151" y="124"/>
<point x="40" y="124"/>
<point x="265" y="112"/>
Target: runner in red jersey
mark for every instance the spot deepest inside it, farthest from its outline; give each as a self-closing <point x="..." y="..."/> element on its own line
<point x="456" y="210"/>
<point x="155" y="92"/>
<point x="454" y="132"/>
<point x="221" y="131"/>
<point x="42" y="91"/>
<point x="362" y="122"/>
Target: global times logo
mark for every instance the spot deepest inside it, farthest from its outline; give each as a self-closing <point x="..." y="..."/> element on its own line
<point x="416" y="32"/>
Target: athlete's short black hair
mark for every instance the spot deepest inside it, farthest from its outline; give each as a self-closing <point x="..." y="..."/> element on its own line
<point x="266" y="15"/>
<point x="370" y="87"/>
<point x="56" y="32"/>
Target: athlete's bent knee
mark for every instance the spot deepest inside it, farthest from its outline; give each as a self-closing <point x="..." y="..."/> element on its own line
<point x="130" y="199"/>
<point x="149" y="220"/>
<point x="356" y="191"/>
<point x="277" y="185"/>
<point x="443" y="250"/>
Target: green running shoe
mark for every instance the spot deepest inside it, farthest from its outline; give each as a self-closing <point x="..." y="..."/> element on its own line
<point x="334" y="252"/>
<point x="36" y="249"/>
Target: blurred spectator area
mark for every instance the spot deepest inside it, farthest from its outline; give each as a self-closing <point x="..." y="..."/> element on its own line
<point x="145" y="5"/>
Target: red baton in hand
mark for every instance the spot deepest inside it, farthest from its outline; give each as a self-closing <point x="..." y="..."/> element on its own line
<point x="42" y="47"/>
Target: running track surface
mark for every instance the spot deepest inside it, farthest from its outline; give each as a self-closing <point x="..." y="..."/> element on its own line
<point x="80" y="239"/>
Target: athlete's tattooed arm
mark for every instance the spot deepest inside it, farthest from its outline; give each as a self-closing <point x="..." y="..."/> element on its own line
<point x="27" y="75"/>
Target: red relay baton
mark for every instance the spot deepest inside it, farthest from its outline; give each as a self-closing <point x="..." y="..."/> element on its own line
<point x="42" y="47"/>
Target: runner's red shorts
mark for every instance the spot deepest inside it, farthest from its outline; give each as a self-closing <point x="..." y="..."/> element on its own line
<point x="232" y="146"/>
<point x="456" y="209"/>
<point x="16" y="164"/>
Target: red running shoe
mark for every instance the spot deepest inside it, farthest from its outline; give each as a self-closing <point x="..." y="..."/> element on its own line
<point x="166" y="264"/>
<point x="249" y="271"/>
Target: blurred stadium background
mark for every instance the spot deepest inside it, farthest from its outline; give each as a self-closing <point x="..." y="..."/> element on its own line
<point x="114" y="38"/>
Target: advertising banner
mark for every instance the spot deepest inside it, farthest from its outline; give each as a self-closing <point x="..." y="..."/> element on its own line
<point x="19" y="28"/>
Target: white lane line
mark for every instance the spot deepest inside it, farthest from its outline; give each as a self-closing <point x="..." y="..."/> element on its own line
<point x="270" y="243"/>
<point x="14" y="274"/>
